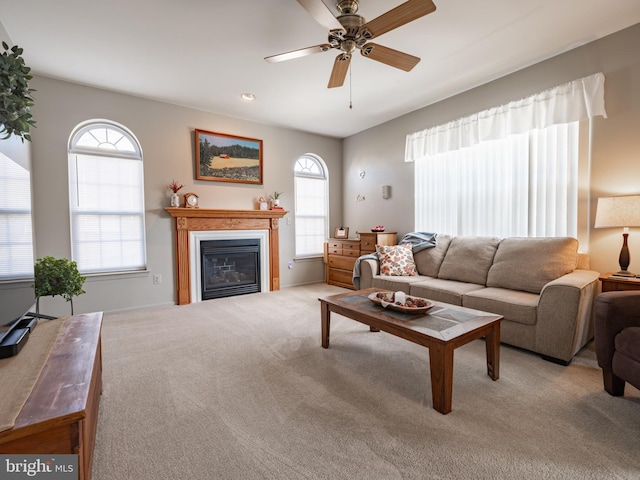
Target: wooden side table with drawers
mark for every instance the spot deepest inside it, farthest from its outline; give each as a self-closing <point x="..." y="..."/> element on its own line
<point x="340" y="255"/>
<point x="612" y="283"/>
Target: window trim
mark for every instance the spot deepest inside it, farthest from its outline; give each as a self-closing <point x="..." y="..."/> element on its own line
<point x="324" y="176"/>
<point x="136" y="155"/>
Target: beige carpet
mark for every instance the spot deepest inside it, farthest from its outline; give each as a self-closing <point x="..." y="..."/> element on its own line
<point x="240" y="388"/>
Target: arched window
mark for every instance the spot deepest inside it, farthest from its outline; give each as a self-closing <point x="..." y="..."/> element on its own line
<point x="311" y="205"/>
<point x="106" y="198"/>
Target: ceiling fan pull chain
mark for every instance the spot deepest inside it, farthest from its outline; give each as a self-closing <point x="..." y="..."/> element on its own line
<point x="350" y="103"/>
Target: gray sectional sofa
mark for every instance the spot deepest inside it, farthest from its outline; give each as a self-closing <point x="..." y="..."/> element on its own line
<point x="542" y="287"/>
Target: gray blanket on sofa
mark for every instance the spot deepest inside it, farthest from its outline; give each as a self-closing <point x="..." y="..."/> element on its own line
<point x="418" y="240"/>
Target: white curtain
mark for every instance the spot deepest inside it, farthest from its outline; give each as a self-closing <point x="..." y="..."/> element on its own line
<point x="570" y="102"/>
<point x="524" y="185"/>
<point x="508" y="171"/>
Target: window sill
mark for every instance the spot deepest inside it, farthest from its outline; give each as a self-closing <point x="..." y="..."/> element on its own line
<point x="103" y="276"/>
<point x="310" y="258"/>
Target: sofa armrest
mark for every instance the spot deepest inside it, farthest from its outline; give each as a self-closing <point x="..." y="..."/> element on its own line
<point x="368" y="268"/>
<point x="614" y="311"/>
<point x="565" y="314"/>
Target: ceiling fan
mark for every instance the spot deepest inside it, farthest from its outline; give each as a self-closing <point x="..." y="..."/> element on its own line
<point x="349" y="31"/>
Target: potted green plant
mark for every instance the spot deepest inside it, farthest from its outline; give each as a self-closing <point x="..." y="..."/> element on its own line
<point x="57" y="276"/>
<point x="275" y="199"/>
<point x="15" y="94"/>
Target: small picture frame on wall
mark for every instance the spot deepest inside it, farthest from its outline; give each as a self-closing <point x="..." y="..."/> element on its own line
<point x="341" y="232"/>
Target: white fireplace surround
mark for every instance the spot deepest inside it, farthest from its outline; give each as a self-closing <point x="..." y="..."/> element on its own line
<point x="195" y="237"/>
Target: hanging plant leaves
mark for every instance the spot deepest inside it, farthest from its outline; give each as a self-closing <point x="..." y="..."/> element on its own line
<point x="15" y="95"/>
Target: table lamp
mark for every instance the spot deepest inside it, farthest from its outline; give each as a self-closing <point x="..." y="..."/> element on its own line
<point x="619" y="212"/>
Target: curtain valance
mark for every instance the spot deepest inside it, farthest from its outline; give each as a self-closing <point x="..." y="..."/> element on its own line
<point x="570" y="102"/>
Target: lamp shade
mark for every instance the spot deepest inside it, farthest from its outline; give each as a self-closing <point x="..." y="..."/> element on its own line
<point x="618" y="212"/>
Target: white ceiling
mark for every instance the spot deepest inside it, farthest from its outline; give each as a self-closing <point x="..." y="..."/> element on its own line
<point x="204" y="53"/>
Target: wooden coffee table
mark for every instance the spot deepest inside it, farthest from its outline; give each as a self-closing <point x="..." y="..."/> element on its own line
<point x="443" y="329"/>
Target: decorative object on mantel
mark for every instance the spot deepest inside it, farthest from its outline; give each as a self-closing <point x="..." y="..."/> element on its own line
<point x="619" y="212"/>
<point x="15" y="101"/>
<point x="263" y="204"/>
<point x="175" y="188"/>
<point x="228" y="158"/>
<point x="275" y="200"/>
<point x="191" y="200"/>
<point x="341" y="232"/>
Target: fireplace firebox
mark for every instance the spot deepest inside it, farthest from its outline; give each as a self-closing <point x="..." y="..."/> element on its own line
<point x="229" y="267"/>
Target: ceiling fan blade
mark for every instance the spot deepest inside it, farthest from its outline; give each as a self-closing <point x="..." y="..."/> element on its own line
<point x="340" y="69"/>
<point x="321" y="13"/>
<point x="389" y="56"/>
<point x="396" y="17"/>
<point x="298" y="53"/>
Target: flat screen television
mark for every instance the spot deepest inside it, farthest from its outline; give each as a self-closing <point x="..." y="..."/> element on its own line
<point x="17" y="319"/>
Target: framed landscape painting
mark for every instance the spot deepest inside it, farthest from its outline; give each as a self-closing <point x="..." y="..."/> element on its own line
<point x="228" y="158"/>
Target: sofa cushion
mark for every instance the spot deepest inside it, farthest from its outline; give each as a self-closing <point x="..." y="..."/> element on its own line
<point x="515" y="306"/>
<point x="395" y="284"/>
<point x="428" y="260"/>
<point x="396" y="260"/>
<point x="468" y="259"/>
<point x="448" y="291"/>
<point x="627" y="342"/>
<point x="528" y="264"/>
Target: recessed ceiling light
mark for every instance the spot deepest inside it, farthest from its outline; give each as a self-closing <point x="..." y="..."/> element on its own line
<point x="248" y="97"/>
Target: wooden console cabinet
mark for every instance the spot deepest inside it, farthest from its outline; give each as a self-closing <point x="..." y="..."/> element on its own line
<point x="61" y="414"/>
<point x="341" y="254"/>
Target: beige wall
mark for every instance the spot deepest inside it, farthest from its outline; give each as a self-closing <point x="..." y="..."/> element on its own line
<point x="615" y="170"/>
<point x="166" y="135"/>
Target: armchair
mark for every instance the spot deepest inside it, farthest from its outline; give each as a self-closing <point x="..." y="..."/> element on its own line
<point x="617" y="339"/>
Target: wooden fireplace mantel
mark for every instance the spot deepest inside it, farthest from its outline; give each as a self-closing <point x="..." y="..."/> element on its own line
<point x="204" y="219"/>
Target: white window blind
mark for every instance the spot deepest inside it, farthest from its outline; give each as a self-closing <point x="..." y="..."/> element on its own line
<point x="106" y="198"/>
<point x="311" y="205"/>
<point x="16" y="234"/>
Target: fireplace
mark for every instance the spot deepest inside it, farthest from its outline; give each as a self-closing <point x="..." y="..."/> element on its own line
<point x="229" y="267"/>
<point x="193" y="225"/>
<point x="221" y="260"/>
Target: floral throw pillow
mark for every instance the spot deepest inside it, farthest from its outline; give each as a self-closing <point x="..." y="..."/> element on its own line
<point x="396" y="260"/>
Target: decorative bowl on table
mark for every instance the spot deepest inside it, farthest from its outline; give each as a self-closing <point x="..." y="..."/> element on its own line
<point x="378" y="229"/>
<point x="401" y="302"/>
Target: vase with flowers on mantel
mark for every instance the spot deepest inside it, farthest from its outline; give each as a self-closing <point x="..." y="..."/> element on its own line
<point x="175" y="198"/>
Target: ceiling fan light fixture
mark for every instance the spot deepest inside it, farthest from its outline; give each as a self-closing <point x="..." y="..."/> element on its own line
<point x="247" y="97"/>
<point x="350" y="31"/>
